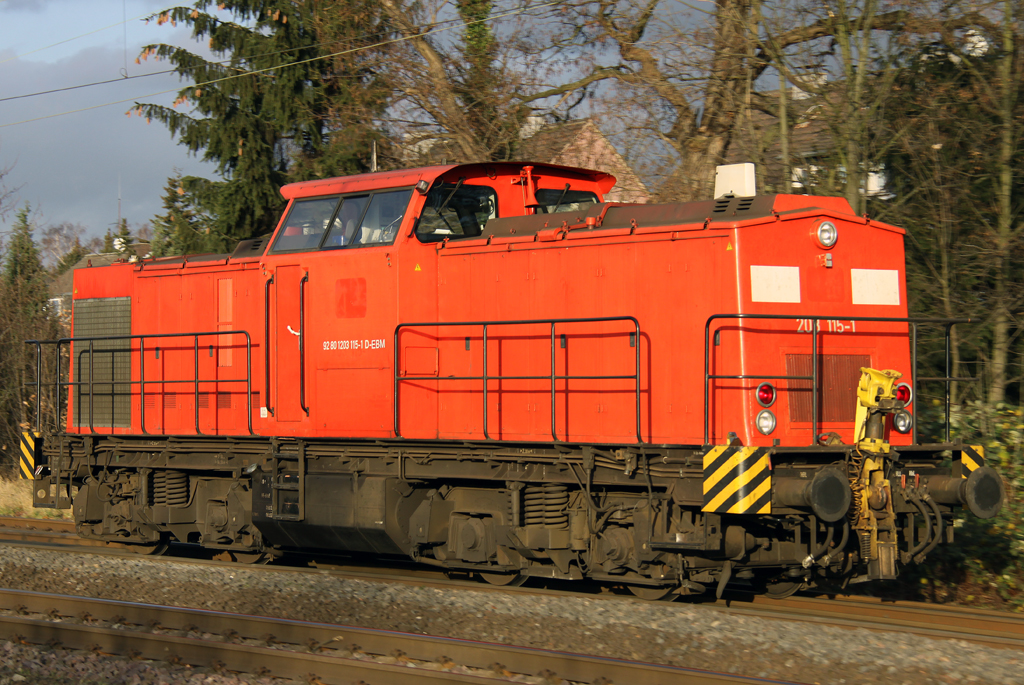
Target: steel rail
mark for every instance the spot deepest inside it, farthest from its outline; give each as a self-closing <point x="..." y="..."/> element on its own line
<point x="980" y="626"/>
<point x="302" y="649"/>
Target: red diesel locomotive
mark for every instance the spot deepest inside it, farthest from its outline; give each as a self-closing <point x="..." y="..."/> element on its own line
<point x="488" y="368"/>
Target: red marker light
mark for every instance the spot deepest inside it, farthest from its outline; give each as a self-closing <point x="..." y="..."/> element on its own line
<point x="904" y="394"/>
<point x="765" y="394"/>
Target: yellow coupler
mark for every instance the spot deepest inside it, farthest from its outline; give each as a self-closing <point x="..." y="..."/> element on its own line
<point x="871" y="513"/>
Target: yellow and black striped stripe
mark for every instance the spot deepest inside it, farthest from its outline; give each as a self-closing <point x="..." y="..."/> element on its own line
<point x="738" y="480"/>
<point x="972" y="457"/>
<point x="30" y="443"/>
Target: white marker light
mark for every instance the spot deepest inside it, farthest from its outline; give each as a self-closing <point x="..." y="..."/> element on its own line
<point x="903" y="422"/>
<point x="765" y="422"/>
<point x="827" y="234"/>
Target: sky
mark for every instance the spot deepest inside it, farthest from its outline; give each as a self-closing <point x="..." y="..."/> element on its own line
<point x="71" y="168"/>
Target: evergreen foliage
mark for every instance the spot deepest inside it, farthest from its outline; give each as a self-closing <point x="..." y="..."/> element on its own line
<point x="70" y="258"/>
<point x="24" y="315"/>
<point x="23" y="273"/>
<point x="185" y="226"/>
<point x="266" y="114"/>
<point x="108" y="243"/>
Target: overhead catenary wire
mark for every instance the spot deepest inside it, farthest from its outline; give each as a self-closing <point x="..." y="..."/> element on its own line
<point x="254" y="72"/>
<point x="74" y="38"/>
<point x="432" y="26"/>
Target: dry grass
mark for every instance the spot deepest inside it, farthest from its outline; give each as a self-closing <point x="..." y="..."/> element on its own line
<point x="16" y="500"/>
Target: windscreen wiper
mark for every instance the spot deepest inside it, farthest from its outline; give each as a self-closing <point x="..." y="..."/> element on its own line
<point x="562" y="196"/>
<point x="458" y="185"/>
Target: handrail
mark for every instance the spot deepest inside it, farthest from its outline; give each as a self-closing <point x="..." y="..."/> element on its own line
<point x="302" y="343"/>
<point x="552" y="377"/>
<point x="814" y="330"/>
<point x="59" y="384"/>
<point x="266" y="344"/>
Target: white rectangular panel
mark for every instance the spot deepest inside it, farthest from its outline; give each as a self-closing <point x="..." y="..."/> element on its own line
<point x="875" y="286"/>
<point x="774" y="283"/>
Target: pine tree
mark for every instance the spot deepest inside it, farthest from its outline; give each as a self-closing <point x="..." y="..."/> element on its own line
<point x="23" y="273"/>
<point x="254" y="126"/>
<point x="108" y="243"/>
<point x="185" y="227"/>
<point x="124" y="239"/>
<point x="70" y="258"/>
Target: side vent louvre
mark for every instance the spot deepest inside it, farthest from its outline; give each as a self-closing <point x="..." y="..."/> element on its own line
<point x="108" y="367"/>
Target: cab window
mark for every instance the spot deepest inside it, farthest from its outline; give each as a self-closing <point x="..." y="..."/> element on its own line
<point x="305" y="224"/>
<point x="382" y="218"/>
<point x="456" y="210"/>
<point x="553" y="200"/>
<point x="346" y="221"/>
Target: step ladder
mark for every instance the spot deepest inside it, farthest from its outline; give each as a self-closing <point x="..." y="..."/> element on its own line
<point x="288" y="474"/>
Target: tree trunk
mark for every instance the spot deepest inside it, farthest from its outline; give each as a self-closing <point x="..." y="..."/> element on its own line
<point x="1004" y="221"/>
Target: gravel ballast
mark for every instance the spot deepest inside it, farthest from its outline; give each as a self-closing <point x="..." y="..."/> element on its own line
<point x="669" y="633"/>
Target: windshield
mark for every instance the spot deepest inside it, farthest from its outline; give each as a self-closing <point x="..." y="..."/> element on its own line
<point x="456" y="210"/>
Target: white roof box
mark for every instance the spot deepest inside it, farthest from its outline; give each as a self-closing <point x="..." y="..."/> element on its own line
<point x="736" y="180"/>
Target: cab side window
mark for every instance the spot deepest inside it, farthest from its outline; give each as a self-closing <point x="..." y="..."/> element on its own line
<point x="346" y="222"/>
<point x="564" y="200"/>
<point x="382" y="218"/>
<point x="305" y="225"/>
<point x="456" y="210"/>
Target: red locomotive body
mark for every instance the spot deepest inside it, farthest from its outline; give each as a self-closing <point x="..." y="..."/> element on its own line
<point x="509" y="375"/>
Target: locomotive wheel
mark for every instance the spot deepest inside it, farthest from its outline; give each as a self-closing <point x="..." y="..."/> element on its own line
<point x="652" y="594"/>
<point x="504" y="579"/>
<point x="244" y="557"/>
<point x="783" y="590"/>
<point x="153" y="549"/>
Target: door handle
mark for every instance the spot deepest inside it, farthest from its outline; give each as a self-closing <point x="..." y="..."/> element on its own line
<point x="293" y="332"/>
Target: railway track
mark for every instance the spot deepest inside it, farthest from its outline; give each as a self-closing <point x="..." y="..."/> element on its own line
<point x="991" y="628"/>
<point x="314" y="652"/>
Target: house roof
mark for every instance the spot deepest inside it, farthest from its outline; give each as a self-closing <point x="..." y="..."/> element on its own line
<point x="64" y="284"/>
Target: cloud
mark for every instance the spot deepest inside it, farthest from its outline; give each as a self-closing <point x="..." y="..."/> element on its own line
<point x="34" y="6"/>
<point x="70" y="167"/>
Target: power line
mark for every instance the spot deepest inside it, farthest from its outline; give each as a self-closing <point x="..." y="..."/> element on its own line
<point x="254" y="72"/>
<point x="85" y="85"/>
<point x="68" y="40"/>
<point x="221" y="63"/>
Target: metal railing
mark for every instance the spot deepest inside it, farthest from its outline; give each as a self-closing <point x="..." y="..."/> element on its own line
<point x="814" y="331"/>
<point x="195" y="381"/>
<point x="553" y="377"/>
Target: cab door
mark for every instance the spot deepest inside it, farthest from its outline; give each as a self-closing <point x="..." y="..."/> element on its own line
<point x="288" y="341"/>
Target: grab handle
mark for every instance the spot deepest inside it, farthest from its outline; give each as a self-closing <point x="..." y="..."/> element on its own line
<point x="266" y="344"/>
<point x="302" y="343"/>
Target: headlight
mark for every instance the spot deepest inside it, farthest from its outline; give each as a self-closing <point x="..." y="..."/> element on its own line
<point x="902" y="421"/>
<point x="826" y="234"/>
<point x="765" y="422"/>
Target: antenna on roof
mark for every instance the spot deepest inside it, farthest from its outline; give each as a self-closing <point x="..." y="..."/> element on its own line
<point x="373" y="155"/>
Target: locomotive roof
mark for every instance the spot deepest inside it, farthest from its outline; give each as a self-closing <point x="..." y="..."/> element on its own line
<point x="409" y="177"/>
